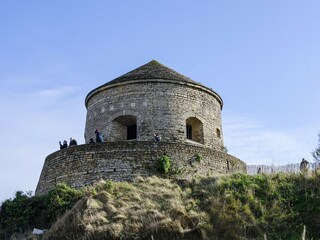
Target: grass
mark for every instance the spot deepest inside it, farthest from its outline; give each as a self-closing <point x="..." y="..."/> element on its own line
<point x="232" y="207"/>
<point x="150" y="206"/>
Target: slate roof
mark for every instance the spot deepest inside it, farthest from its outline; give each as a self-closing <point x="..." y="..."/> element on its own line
<point x="152" y="70"/>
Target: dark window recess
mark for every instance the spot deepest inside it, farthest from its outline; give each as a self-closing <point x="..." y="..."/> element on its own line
<point x="218" y="133"/>
<point x="189" y="132"/>
<point x="131" y="132"/>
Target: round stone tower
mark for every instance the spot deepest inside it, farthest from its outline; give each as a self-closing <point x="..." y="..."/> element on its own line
<point x="155" y="99"/>
<point x="128" y="111"/>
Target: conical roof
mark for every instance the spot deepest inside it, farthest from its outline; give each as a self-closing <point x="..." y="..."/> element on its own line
<point x="152" y="70"/>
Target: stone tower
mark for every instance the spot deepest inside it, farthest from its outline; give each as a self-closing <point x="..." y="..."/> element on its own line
<point x="155" y="99"/>
<point x="128" y="111"/>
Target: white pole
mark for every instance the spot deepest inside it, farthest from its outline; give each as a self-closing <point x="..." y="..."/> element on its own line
<point x="304" y="232"/>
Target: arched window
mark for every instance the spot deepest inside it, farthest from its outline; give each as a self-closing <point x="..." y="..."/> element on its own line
<point x="124" y="128"/>
<point x="194" y="130"/>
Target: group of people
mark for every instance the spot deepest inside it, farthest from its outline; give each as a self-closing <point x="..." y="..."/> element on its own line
<point x="99" y="139"/>
<point x="72" y="142"/>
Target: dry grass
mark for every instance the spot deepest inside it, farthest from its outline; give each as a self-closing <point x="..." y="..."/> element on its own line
<point x="147" y="207"/>
<point x="231" y="207"/>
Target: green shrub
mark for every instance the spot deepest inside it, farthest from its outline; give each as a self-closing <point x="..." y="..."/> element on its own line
<point x="246" y="207"/>
<point x="21" y="213"/>
<point x="164" y="164"/>
<point x="60" y="199"/>
<point x="25" y="212"/>
<point x="198" y="157"/>
<point x="224" y="149"/>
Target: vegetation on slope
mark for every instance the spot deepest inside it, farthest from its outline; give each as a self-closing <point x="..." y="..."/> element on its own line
<point x="232" y="207"/>
<point x="150" y="206"/>
<point x="24" y="212"/>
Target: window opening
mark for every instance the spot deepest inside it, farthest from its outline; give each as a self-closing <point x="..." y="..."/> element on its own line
<point x="124" y="128"/>
<point x="131" y="132"/>
<point x="194" y="130"/>
<point x="218" y="133"/>
<point x="189" y="132"/>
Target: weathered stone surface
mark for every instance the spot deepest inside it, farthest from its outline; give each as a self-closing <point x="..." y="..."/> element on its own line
<point x="86" y="164"/>
<point x="155" y="105"/>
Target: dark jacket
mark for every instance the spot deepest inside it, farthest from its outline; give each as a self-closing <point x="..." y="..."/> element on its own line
<point x="73" y="142"/>
<point x="99" y="137"/>
<point x="64" y="145"/>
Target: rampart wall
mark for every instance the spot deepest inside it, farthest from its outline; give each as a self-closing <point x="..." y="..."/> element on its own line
<point x="84" y="165"/>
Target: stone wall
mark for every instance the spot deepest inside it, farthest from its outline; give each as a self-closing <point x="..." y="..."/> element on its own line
<point x="161" y="106"/>
<point x="86" y="164"/>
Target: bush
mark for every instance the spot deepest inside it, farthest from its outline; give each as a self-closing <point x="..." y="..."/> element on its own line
<point x="164" y="164"/>
<point x="20" y="213"/>
<point x="25" y="212"/>
<point x="246" y="207"/>
<point x="198" y="157"/>
<point x="60" y="199"/>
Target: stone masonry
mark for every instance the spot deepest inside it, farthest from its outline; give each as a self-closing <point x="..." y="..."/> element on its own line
<point x="155" y="104"/>
<point x="86" y="164"/>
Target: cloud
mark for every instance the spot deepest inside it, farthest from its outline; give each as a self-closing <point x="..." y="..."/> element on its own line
<point x="256" y="143"/>
<point x="55" y="92"/>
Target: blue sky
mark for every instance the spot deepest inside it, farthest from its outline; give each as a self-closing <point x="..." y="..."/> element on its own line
<point x="262" y="57"/>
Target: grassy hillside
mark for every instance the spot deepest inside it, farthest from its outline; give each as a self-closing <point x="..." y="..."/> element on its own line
<point x="232" y="207"/>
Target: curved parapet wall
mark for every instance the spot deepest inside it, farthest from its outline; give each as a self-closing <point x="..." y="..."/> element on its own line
<point x="84" y="165"/>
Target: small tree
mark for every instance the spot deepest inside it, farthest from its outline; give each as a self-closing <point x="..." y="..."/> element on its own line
<point x="316" y="152"/>
<point x="224" y="149"/>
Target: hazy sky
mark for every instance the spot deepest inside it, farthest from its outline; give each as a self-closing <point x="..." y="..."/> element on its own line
<point x="262" y="57"/>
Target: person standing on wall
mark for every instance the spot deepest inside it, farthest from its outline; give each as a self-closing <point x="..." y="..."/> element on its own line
<point x="64" y="145"/>
<point x="73" y="142"/>
<point x="157" y="137"/>
<point x="99" y="137"/>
